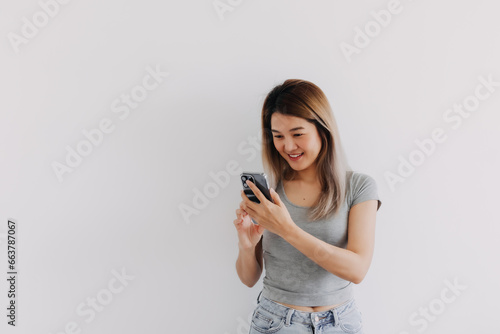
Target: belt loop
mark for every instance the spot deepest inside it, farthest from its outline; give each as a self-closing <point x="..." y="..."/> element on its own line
<point x="258" y="297"/>
<point x="335" y="317"/>
<point x="289" y="316"/>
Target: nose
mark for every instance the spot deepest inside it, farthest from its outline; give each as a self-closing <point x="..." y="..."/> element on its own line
<point x="290" y="145"/>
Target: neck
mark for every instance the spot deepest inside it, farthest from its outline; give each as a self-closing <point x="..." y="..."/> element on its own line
<point x="308" y="176"/>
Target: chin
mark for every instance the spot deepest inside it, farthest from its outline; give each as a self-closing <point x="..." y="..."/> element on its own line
<point x="298" y="168"/>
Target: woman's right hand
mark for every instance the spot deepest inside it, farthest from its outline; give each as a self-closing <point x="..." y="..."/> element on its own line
<point x="249" y="234"/>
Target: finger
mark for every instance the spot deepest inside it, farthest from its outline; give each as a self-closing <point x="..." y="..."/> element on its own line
<point x="246" y="201"/>
<point x="242" y="213"/>
<point x="276" y="197"/>
<point x="256" y="191"/>
<point x="250" y="211"/>
<point x="250" y="207"/>
<point x="247" y="205"/>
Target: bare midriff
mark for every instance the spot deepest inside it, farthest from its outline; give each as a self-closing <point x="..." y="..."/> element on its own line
<point x="309" y="308"/>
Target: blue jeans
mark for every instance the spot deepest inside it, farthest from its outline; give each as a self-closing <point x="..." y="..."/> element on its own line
<point x="271" y="317"/>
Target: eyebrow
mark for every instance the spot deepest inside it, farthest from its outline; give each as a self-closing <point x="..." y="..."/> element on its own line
<point x="294" y="129"/>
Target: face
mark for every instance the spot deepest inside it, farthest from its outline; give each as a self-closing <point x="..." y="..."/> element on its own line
<point x="289" y="140"/>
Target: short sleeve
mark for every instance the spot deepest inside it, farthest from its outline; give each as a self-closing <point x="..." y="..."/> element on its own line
<point x="363" y="188"/>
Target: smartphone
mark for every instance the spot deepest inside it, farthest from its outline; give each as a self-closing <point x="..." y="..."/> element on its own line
<point x="260" y="180"/>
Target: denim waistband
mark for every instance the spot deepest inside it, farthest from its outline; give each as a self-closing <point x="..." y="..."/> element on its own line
<point x="304" y="317"/>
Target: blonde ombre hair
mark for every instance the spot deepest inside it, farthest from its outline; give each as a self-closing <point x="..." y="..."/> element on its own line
<point x="301" y="98"/>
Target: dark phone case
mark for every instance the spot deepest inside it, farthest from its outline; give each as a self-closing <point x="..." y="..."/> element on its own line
<point x="260" y="182"/>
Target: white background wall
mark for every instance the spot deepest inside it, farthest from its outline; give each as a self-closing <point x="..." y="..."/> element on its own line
<point x="119" y="209"/>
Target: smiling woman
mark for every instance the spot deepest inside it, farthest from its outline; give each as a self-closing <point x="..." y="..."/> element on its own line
<point x="316" y="238"/>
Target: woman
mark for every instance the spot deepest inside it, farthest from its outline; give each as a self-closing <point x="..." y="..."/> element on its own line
<point x="317" y="238"/>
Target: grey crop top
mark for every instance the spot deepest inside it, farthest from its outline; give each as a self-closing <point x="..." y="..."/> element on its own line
<point x="293" y="278"/>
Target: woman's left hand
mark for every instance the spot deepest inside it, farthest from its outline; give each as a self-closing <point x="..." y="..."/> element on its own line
<point x="272" y="216"/>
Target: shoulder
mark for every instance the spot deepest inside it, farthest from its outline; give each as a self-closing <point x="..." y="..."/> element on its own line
<point x="356" y="179"/>
<point x="361" y="187"/>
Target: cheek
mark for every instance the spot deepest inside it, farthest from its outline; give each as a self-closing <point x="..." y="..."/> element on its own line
<point x="276" y="145"/>
<point x="307" y="146"/>
<point x="279" y="148"/>
<point x="311" y="149"/>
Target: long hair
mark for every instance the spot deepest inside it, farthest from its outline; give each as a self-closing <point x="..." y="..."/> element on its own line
<point x="304" y="99"/>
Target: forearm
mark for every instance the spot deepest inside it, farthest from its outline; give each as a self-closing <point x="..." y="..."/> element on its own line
<point x="247" y="267"/>
<point x="338" y="261"/>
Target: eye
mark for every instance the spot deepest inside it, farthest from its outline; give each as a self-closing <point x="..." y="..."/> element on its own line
<point x="295" y="135"/>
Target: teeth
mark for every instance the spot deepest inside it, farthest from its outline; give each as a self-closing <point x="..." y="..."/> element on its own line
<point x="294" y="156"/>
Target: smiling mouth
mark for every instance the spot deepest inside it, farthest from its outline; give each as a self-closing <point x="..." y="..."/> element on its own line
<point x="294" y="158"/>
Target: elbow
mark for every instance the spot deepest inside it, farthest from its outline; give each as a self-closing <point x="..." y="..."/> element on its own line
<point x="251" y="284"/>
<point x="359" y="276"/>
<point x="358" y="279"/>
<point x="248" y="283"/>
